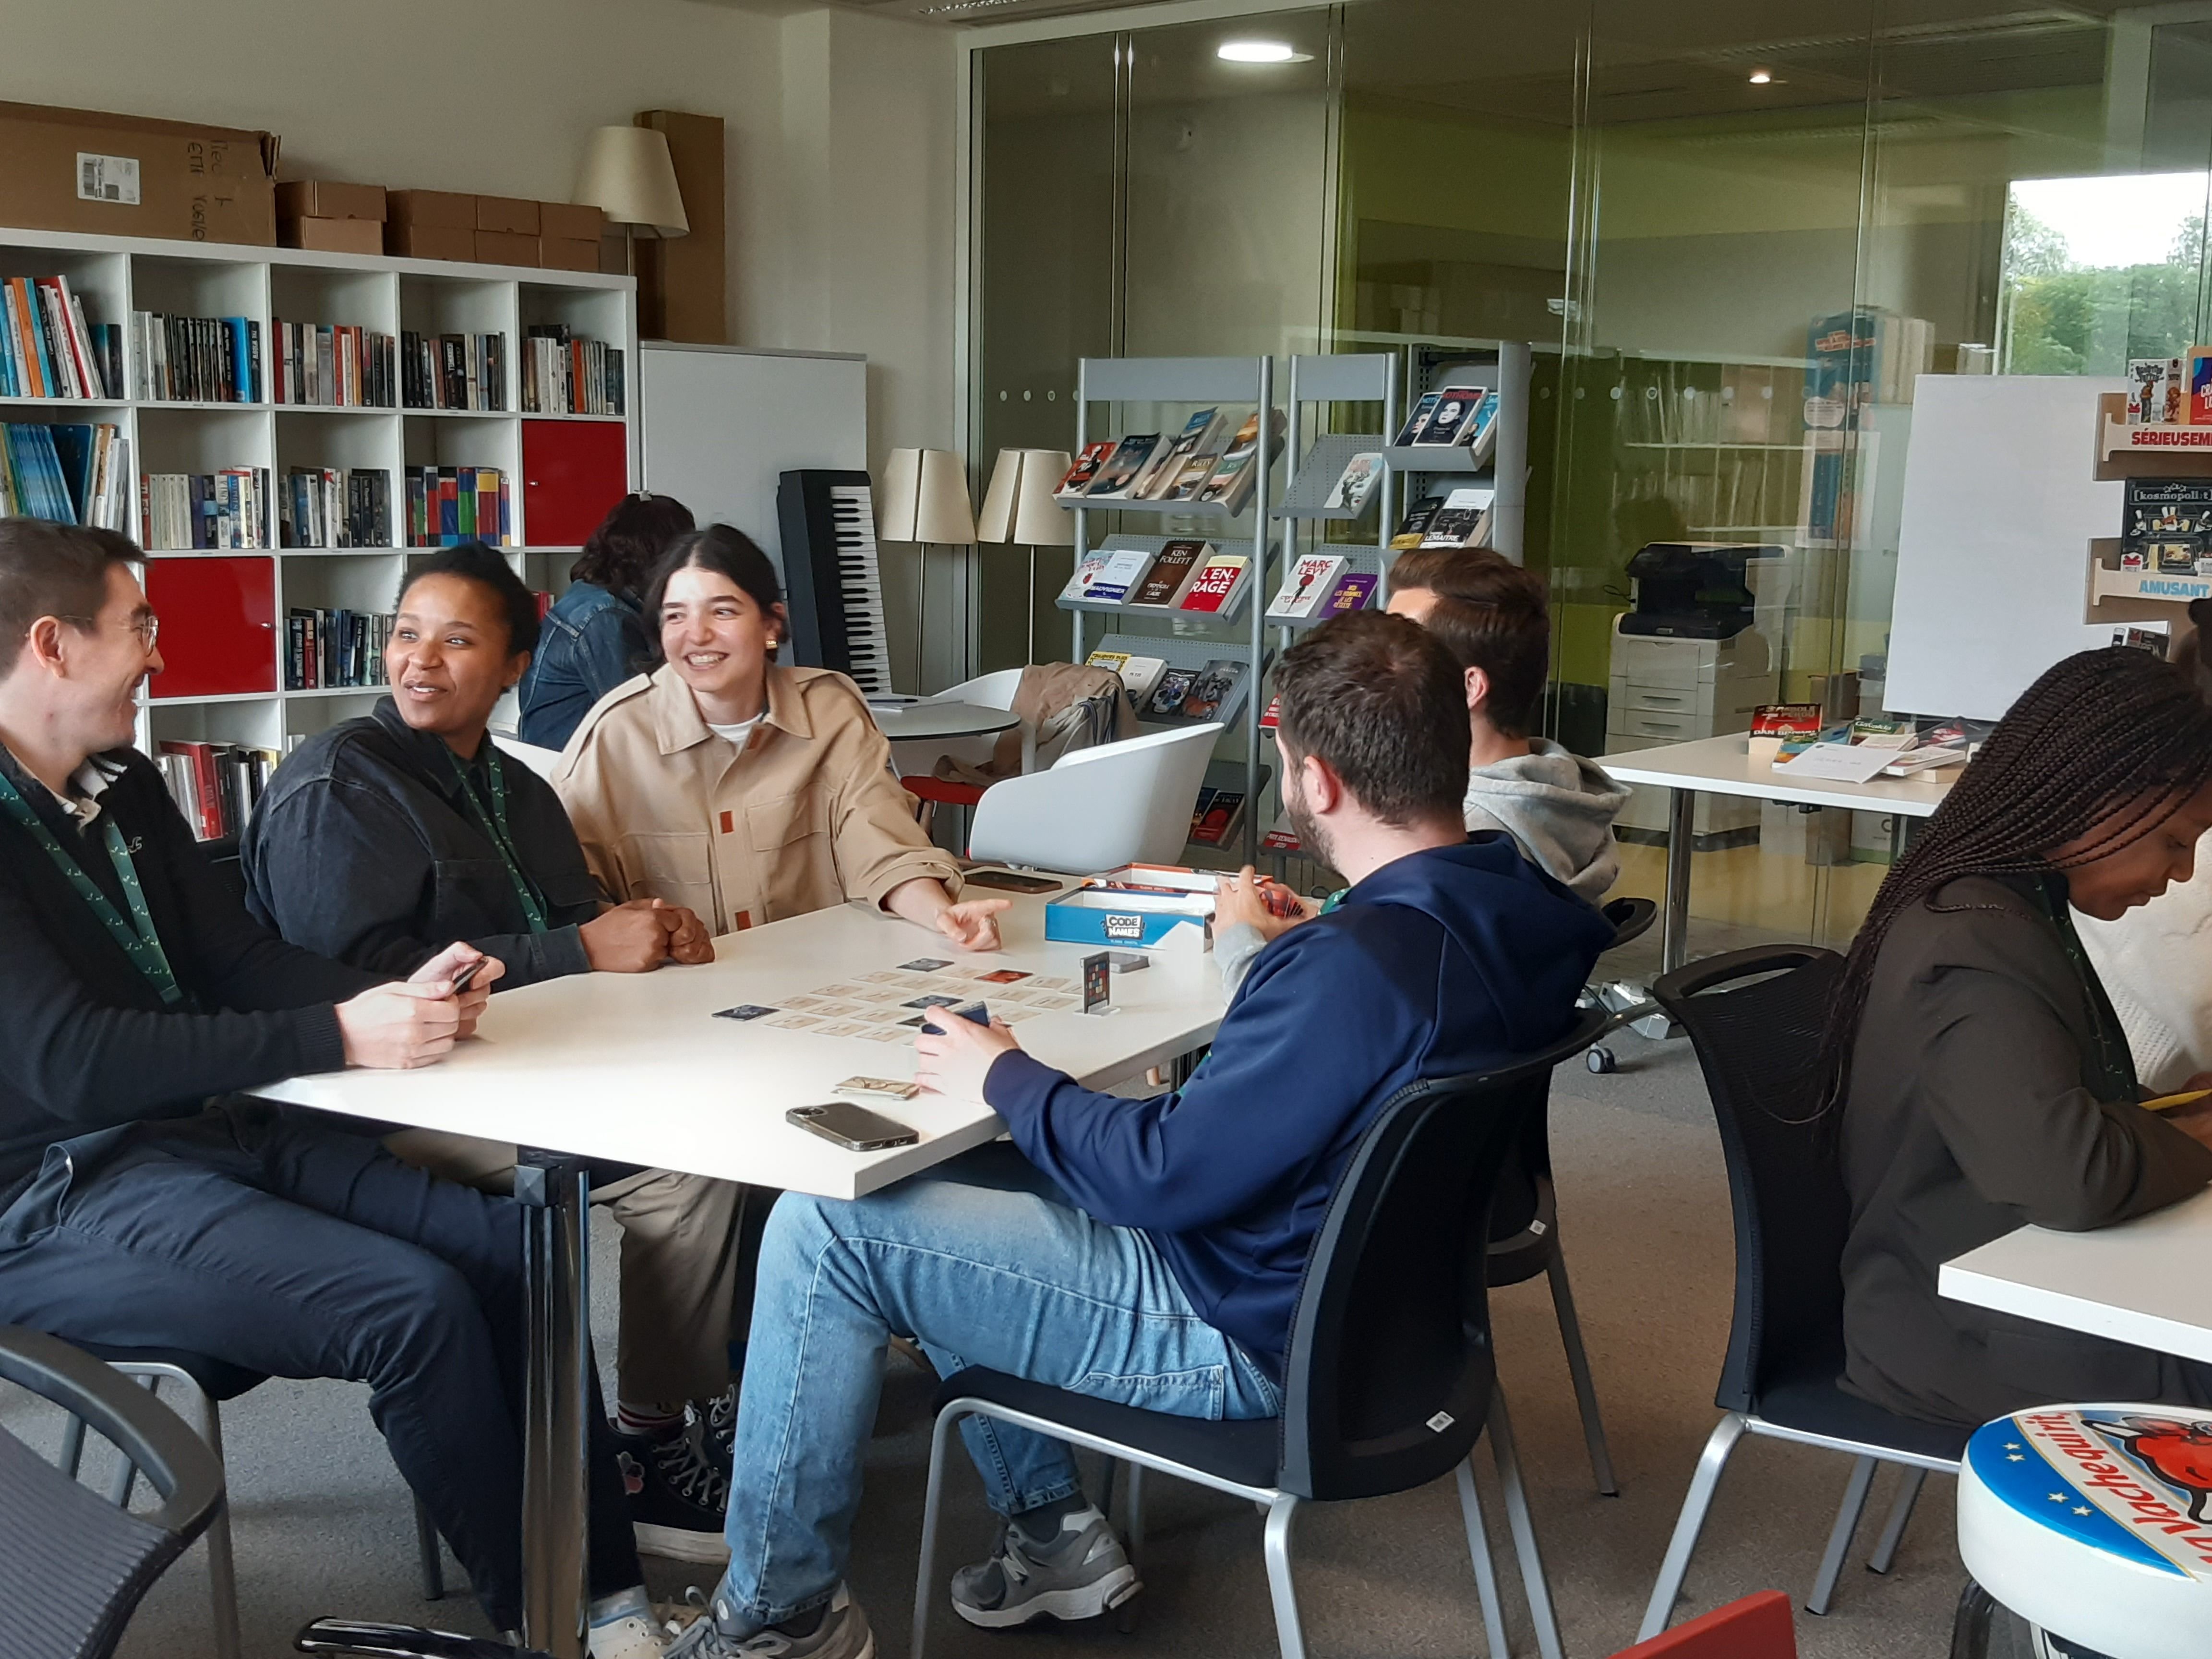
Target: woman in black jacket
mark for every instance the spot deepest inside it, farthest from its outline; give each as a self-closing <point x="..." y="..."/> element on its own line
<point x="1983" y="1080"/>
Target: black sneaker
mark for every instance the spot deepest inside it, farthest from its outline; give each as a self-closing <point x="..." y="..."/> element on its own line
<point x="716" y="1429"/>
<point x="675" y="1496"/>
<point x="1078" y="1575"/>
<point x="841" y="1632"/>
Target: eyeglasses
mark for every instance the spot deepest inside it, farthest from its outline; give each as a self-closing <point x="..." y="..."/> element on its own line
<point x="147" y="627"/>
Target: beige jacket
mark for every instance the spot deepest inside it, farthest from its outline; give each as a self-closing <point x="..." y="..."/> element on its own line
<point x="807" y="816"/>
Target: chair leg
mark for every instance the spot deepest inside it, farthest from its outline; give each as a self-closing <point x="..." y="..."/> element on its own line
<point x="1570" y="1336"/>
<point x="1289" y="1638"/>
<point x="1696" y="1502"/>
<point x="222" y="1573"/>
<point x="1486" y="1568"/>
<point x="1840" y="1536"/>
<point x="429" y="1555"/>
<point x="71" y="1458"/>
<point x="1133" y="1516"/>
<point x="1970" y="1625"/>
<point x="925" y="1583"/>
<point x="127" y="1472"/>
<point x="1900" y="1513"/>
<point x="1533" y="1584"/>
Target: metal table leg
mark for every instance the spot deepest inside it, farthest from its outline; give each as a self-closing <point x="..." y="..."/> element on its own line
<point x="553" y="1189"/>
<point x="1674" y="920"/>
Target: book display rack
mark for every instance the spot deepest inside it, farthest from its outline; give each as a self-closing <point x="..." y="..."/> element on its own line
<point x="2162" y="558"/>
<point x="341" y="459"/>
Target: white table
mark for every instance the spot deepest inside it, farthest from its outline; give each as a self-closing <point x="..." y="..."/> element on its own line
<point x="2141" y="1282"/>
<point x="1723" y="766"/>
<point x="634" y="1068"/>
<point x="904" y="722"/>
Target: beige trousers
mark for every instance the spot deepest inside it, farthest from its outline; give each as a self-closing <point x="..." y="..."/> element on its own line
<point x="680" y="1246"/>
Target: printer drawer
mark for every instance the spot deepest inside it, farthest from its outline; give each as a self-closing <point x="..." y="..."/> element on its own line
<point x="1657" y="727"/>
<point x="1682" y="664"/>
<point x="1662" y="699"/>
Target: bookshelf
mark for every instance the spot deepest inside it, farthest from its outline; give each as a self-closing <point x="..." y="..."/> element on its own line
<point x="2163" y="450"/>
<point x="1147" y="392"/>
<point x="224" y="610"/>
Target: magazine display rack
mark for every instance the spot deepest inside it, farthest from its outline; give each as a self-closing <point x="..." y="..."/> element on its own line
<point x="2163" y="450"/>
<point x="1504" y="368"/>
<point x="1195" y="640"/>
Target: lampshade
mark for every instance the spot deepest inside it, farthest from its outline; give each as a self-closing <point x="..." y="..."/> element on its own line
<point x="1019" y="505"/>
<point x="924" y="498"/>
<point x="629" y="175"/>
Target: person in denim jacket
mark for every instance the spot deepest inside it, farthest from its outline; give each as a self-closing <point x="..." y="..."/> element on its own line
<point x="595" y="634"/>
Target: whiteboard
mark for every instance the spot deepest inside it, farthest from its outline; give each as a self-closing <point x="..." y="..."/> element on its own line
<point x="2001" y="503"/>
<point x="717" y="423"/>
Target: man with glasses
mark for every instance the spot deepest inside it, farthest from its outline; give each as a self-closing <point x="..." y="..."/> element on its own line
<point x="142" y="1204"/>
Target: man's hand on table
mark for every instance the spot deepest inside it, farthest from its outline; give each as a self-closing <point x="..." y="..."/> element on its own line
<point x="1260" y="903"/>
<point x="956" y="1059"/>
<point x="415" y="1022"/>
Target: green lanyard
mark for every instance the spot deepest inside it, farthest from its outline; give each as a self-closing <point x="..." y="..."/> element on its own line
<point x="493" y="825"/>
<point x="2114" y="1064"/>
<point x="136" y="937"/>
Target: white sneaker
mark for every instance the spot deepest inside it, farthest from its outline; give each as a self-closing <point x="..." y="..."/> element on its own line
<point x="622" y="1627"/>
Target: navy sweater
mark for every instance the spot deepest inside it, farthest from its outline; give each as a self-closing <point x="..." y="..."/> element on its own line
<point x="1444" y="962"/>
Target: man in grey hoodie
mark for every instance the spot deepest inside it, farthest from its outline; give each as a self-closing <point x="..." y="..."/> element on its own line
<point x="1495" y="619"/>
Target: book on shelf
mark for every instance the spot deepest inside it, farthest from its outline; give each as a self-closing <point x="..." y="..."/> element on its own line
<point x="1139" y="675"/>
<point x="1280" y="838"/>
<point x="325" y="506"/>
<point x="1124" y="568"/>
<point x="1166" y="466"/>
<point x="202" y="360"/>
<point x="1078" y="478"/>
<point x="1112" y="661"/>
<point x="47" y="347"/>
<point x="1448" y="422"/>
<point x="1199" y="465"/>
<point x="1415" y="524"/>
<point x="334" y="365"/>
<point x="447" y="505"/>
<point x="1481" y="428"/>
<point x="1215" y="815"/>
<point x="564" y="373"/>
<point x="2155" y="390"/>
<point x="1166" y="701"/>
<point x="1217" y="585"/>
<point x="216" y="785"/>
<point x="1464" y="519"/>
<point x="1086" y="572"/>
<point x="1273" y="716"/>
<point x="1238" y="472"/>
<point x="334" y="649"/>
<point x="2160" y="508"/>
<point x="1411" y="432"/>
<point x="1171" y="572"/>
<point x="1351" y="592"/>
<point x="205" y="511"/>
<point x="1311" y="578"/>
<point x="66" y="473"/>
<point x="1212" y="690"/>
<point x="1356" y="483"/>
<point x="1122" y="468"/>
<point x="452" y="371"/>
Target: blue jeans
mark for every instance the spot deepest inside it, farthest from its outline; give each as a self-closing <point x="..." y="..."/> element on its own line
<point x="983" y="1262"/>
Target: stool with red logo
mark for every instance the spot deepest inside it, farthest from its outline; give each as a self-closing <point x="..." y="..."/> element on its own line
<point x="2095" y="1524"/>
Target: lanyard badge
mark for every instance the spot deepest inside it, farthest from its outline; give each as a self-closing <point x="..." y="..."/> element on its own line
<point x="493" y="825"/>
<point x="139" y="940"/>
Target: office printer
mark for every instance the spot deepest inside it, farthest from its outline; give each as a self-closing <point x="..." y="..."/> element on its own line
<point x="1694" y="590"/>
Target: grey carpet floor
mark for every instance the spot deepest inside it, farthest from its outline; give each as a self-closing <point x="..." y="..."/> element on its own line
<point x="323" y="1523"/>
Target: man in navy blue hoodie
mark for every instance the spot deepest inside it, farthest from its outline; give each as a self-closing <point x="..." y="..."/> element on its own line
<point x="1147" y="1251"/>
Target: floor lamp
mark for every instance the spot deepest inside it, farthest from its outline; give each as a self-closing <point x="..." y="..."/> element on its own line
<point x="629" y="175"/>
<point x="924" y="499"/>
<point x="1019" y="508"/>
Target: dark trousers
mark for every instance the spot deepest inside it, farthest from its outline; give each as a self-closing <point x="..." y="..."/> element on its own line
<point x="287" y="1247"/>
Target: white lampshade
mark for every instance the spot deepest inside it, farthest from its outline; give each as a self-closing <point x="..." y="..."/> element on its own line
<point x="1019" y="505"/>
<point x="924" y="498"/>
<point x="629" y="175"/>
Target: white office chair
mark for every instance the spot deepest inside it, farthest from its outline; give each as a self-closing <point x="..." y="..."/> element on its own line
<point x="1097" y="809"/>
<point x="538" y="760"/>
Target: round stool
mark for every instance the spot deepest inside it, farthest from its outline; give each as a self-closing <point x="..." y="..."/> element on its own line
<point x="2095" y="1524"/>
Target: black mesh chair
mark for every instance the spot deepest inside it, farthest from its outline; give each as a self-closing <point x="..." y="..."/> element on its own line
<point x="73" y="1566"/>
<point x="1755" y="1017"/>
<point x="1389" y="1380"/>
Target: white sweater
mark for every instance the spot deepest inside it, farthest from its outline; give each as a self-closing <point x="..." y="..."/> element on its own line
<point x="2156" y="964"/>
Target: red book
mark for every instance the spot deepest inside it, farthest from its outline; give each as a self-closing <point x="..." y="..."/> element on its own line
<point x="206" y="790"/>
<point x="1213" y="590"/>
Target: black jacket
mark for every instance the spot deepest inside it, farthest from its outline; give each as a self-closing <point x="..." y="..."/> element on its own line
<point x="1983" y="1098"/>
<point x="363" y="848"/>
<point x="87" y="1043"/>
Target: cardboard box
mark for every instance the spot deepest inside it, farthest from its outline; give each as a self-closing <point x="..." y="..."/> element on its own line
<point x="429" y="241"/>
<point x="682" y="287"/>
<point x="502" y="247"/>
<point x="321" y="198"/>
<point x="120" y="175"/>
<point x="572" y="221"/>
<point x="442" y="209"/>
<point x="509" y="214"/>
<point x="567" y="254"/>
<point x="333" y="235"/>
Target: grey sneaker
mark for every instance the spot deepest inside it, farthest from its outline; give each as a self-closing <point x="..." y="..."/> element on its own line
<point x="843" y="1633"/>
<point x="1080" y="1574"/>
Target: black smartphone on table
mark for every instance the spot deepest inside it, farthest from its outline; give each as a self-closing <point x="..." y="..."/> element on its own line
<point x="855" y="1128"/>
<point x="1007" y="881"/>
<point x="466" y="977"/>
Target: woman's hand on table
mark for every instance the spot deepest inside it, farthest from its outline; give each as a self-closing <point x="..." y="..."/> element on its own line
<point x="636" y="937"/>
<point x="971" y="925"/>
<point x="955" y="1060"/>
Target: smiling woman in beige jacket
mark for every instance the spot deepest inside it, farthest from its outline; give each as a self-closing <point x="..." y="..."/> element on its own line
<point x="745" y="790"/>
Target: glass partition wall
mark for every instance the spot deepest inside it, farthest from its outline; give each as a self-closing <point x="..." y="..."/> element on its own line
<point x="1733" y="235"/>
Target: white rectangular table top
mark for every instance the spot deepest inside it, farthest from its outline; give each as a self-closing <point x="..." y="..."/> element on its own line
<point x="1723" y="766"/>
<point x="2141" y="1281"/>
<point x="635" y="1068"/>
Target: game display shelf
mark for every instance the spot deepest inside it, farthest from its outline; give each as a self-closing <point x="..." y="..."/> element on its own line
<point x="1189" y="640"/>
<point x="2125" y="452"/>
<point x="264" y="469"/>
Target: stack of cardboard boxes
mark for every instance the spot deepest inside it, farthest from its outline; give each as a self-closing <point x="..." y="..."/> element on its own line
<point x="331" y="218"/>
<point x="439" y="224"/>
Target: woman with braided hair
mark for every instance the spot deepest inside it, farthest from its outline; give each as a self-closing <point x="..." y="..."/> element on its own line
<point x="1982" y="1078"/>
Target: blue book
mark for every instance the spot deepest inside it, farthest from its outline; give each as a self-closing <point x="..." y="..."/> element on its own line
<point x="241" y="365"/>
<point x="73" y="450"/>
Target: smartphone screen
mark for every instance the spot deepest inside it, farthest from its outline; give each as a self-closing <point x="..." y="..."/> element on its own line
<point x="854" y="1127"/>
<point x="462" y="980"/>
<point x="1007" y="881"/>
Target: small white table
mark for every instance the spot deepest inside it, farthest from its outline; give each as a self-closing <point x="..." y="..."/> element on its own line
<point x="907" y="722"/>
<point x="635" y="1068"/>
<point x="2141" y="1282"/>
<point x="1723" y="766"/>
